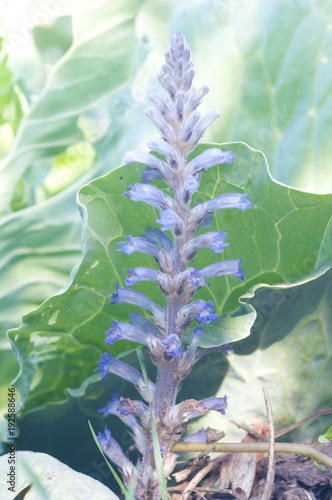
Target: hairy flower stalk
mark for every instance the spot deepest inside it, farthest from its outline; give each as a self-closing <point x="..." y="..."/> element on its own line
<point x="181" y="126"/>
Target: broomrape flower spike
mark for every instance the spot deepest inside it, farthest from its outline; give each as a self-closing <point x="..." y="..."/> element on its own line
<point x="181" y="126"/>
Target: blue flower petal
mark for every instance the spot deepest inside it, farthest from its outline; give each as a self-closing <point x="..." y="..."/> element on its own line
<point x="168" y="218"/>
<point x="191" y="184"/>
<point x="206" y="314"/>
<point x="156" y="236"/>
<point x="226" y="267"/>
<point x="229" y="200"/>
<point x="214" y="240"/>
<point x="114" y="452"/>
<point x="209" y="158"/>
<point x="198" y="437"/>
<point x="150" y="195"/>
<point x="218" y="404"/>
<point x="172" y="345"/>
<point x="107" y="364"/>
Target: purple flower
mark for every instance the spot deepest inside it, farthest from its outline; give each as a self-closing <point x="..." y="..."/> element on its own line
<point x="206" y="313"/>
<point x="144" y="324"/>
<point x="158" y="120"/>
<point x="189" y="126"/>
<point x="195" y="98"/>
<point x="145" y="159"/>
<point x="123" y="295"/>
<point x="168" y="218"/>
<point x="107" y="364"/>
<point x="144" y="245"/>
<point x="150" y="195"/>
<point x="191" y="408"/>
<point x="163" y="108"/>
<point x="197" y="437"/>
<point x="197" y="278"/>
<point x="130" y="407"/>
<point x="215" y="241"/>
<point x="189" y="356"/>
<point x="190" y="352"/>
<point x="200" y="127"/>
<point x="163" y="148"/>
<point x="104" y="361"/>
<point x="126" y="331"/>
<point x="218" y="404"/>
<point x="207" y="159"/>
<point x="159" y="238"/>
<point x="181" y="126"/>
<point x="149" y="174"/>
<point x="143" y="274"/>
<point x="114" y="452"/>
<point x="199" y="309"/>
<point x="172" y="345"/>
<point x="164" y="281"/>
<point x="139" y="244"/>
<point x="230" y="200"/>
<point x="112" y="409"/>
<point x="184" y="411"/>
<point x="226" y="267"/>
<point x="191" y="184"/>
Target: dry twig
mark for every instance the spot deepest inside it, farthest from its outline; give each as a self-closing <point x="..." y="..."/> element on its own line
<point x="211" y="490"/>
<point x="285" y="430"/>
<point x="198" y="478"/>
<point x="250" y="431"/>
<point x="271" y="465"/>
<point x="292" y="427"/>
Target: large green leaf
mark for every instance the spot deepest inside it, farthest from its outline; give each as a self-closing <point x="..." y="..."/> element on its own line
<point x="289" y="352"/>
<point x="10" y="106"/>
<point x="286" y="236"/>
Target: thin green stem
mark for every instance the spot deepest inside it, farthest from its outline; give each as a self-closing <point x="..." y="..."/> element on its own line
<point x="300" y="449"/>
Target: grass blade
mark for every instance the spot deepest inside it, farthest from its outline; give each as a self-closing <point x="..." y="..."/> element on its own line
<point x="35" y="483"/>
<point x="116" y="476"/>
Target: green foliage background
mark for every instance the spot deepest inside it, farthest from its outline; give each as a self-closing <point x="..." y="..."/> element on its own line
<point x="71" y="99"/>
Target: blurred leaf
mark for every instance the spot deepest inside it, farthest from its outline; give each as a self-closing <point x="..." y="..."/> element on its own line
<point x="96" y="65"/>
<point x="49" y="478"/>
<point x="10" y="106"/>
<point x="274" y="91"/>
<point x="328" y="434"/>
<point x="69" y="167"/>
<point x="326" y="437"/>
<point x="286" y="236"/>
<point x="323" y="439"/>
<point x="54" y="40"/>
